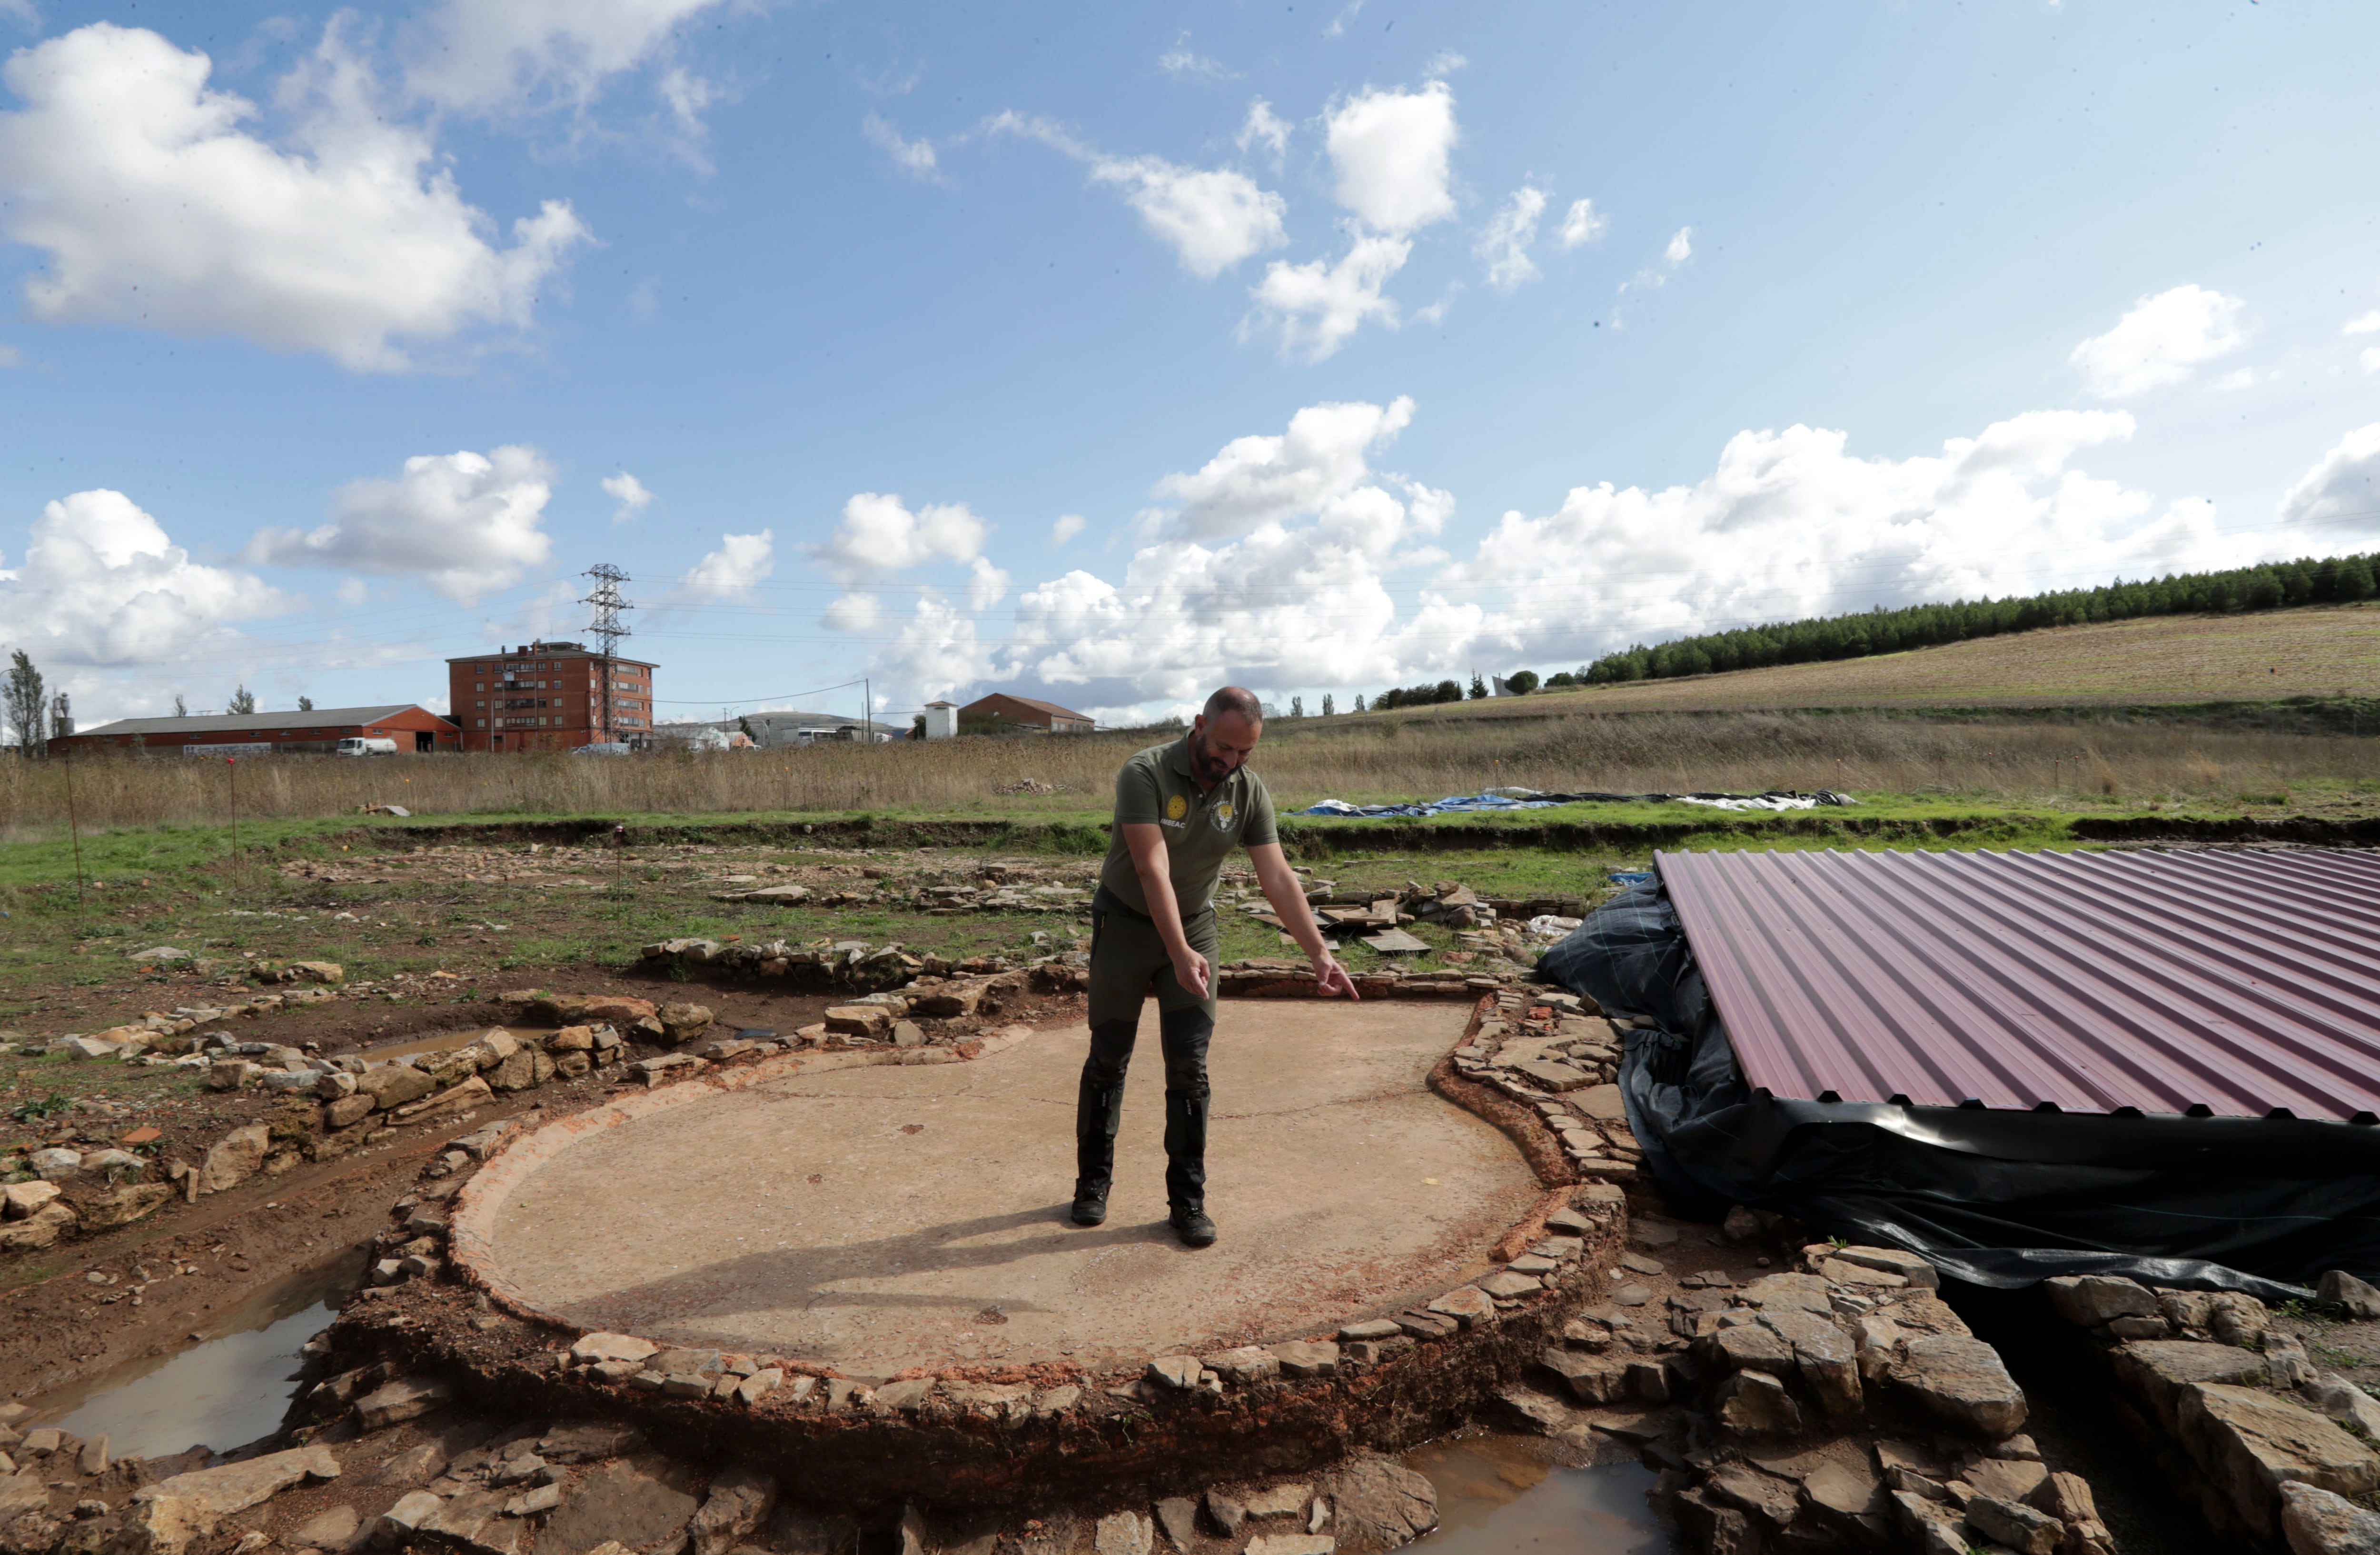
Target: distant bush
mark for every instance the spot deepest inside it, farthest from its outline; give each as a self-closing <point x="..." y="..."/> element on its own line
<point x="1419" y="696"/>
<point x="1521" y="682"/>
<point x="2337" y="580"/>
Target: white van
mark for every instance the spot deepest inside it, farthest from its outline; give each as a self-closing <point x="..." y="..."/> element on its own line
<point x="358" y="746"/>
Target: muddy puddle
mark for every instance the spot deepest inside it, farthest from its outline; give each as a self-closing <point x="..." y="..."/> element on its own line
<point x="1502" y="1495"/>
<point x="229" y="1388"/>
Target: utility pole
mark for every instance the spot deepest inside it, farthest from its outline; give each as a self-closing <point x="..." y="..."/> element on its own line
<point x="867" y="713"/>
<point x="607" y="626"/>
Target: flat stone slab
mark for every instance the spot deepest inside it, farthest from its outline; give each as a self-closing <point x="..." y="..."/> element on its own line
<point x="876" y="1219"/>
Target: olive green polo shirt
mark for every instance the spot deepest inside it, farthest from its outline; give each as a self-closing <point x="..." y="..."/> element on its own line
<point x="1200" y="830"/>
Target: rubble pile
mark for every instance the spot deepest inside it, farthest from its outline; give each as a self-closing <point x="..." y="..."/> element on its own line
<point x="1838" y="1406"/>
<point x="163" y="1035"/>
<point x="1508" y="933"/>
<point x="2272" y="1449"/>
<point x="401" y="1465"/>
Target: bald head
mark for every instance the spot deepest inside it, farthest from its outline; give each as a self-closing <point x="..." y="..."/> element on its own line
<point x="1237" y="700"/>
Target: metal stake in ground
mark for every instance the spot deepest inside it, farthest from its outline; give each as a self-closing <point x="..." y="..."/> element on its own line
<point x="233" y="762"/>
<point x="74" y="829"/>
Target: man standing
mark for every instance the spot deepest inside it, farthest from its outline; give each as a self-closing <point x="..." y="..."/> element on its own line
<point x="1180" y="810"/>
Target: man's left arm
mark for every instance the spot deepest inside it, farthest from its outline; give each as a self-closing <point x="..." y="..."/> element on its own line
<point x="1287" y="895"/>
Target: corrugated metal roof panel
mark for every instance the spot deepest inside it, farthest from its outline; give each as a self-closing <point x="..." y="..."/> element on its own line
<point x="2236" y="984"/>
<point x="254" y="723"/>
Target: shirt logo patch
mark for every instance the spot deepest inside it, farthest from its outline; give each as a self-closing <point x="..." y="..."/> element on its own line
<point x="1224" y="815"/>
<point x="1176" y="807"/>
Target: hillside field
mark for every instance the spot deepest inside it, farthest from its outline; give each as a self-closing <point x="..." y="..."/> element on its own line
<point x="2327" y="651"/>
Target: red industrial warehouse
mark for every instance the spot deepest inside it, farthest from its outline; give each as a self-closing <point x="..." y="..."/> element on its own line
<point x="317" y="730"/>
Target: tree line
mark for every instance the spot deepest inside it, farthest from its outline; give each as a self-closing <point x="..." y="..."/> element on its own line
<point x="2273" y="586"/>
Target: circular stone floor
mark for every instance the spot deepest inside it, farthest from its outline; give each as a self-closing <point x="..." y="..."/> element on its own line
<point x="877" y="1219"/>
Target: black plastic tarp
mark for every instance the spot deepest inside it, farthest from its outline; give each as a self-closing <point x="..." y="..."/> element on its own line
<point x="2000" y="1198"/>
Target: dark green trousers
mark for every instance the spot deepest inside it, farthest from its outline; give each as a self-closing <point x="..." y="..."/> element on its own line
<point x="1129" y="962"/>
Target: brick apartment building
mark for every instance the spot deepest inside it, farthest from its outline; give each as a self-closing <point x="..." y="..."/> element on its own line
<point x="549" y="695"/>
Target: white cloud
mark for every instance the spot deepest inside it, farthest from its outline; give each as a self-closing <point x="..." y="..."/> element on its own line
<point x="629" y="493"/>
<point x="1275" y="566"/>
<point x="156" y="209"/>
<point x="1504" y="241"/>
<point x="729" y="573"/>
<point x="1264" y="127"/>
<point x="2342" y="491"/>
<point x="1679" y="249"/>
<point x="1068" y="525"/>
<point x="1185" y="63"/>
<point x="913" y="157"/>
<point x="1285" y="605"/>
<point x="852" y="613"/>
<point x="102" y="586"/>
<point x="1317" y="306"/>
<point x="1338" y="28"/>
<point x="1389" y="151"/>
<point x="2370" y="358"/>
<point x="498" y="57"/>
<point x="878" y="536"/>
<point x="1445" y="62"/>
<point x="937" y="652"/>
<point x="2363" y="323"/>
<point x="987" y="585"/>
<point x="2161" y="341"/>
<point x="687" y="95"/>
<point x="1213" y="218"/>
<point x="1270" y="479"/>
<point x="467" y="524"/>
<point x="1790" y="525"/>
<point x="1584" y="224"/>
<point x="11" y="356"/>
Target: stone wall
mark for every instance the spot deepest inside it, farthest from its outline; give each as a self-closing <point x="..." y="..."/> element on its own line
<point x="2274" y="1449"/>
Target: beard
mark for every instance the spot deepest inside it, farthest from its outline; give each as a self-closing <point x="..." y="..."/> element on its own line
<point x="1208" y="768"/>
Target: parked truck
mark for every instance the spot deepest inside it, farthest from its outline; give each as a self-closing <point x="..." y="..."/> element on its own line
<point x="358" y="745"/>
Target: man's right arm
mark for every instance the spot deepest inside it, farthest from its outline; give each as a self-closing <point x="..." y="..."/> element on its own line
<point x="1152" y="861"/>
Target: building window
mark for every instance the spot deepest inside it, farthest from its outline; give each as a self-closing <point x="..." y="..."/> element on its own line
<point x="483" y="722"/>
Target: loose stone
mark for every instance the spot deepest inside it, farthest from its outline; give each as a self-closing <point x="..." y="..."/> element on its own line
<point x="1961" y="1380"/>
<point x="1177" y="1372"/>
<point x="1280" y="1500"/>
<point x="1178" y="1515"/>
<point x="1304" y="1358"/>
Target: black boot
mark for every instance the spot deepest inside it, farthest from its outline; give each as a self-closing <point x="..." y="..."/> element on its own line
<point x="1098" y="1113"/>
<point x="1187" y="1034"/>
<point x="1191" y="1224"/>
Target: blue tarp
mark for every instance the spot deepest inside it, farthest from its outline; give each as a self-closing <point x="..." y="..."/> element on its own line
<point x="1530" y="799"/>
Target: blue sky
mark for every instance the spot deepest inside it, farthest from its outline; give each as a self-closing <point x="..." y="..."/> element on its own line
<point x="1112" y="352"/>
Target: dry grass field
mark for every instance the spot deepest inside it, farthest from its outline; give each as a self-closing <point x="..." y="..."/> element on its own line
<point x="2316" y="652"/>
<point x="1751" y="730"/>
<point x="1990" y="760"/>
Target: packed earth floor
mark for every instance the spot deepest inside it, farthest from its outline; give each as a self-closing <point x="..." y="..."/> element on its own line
<point x="217" y="1081"/>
